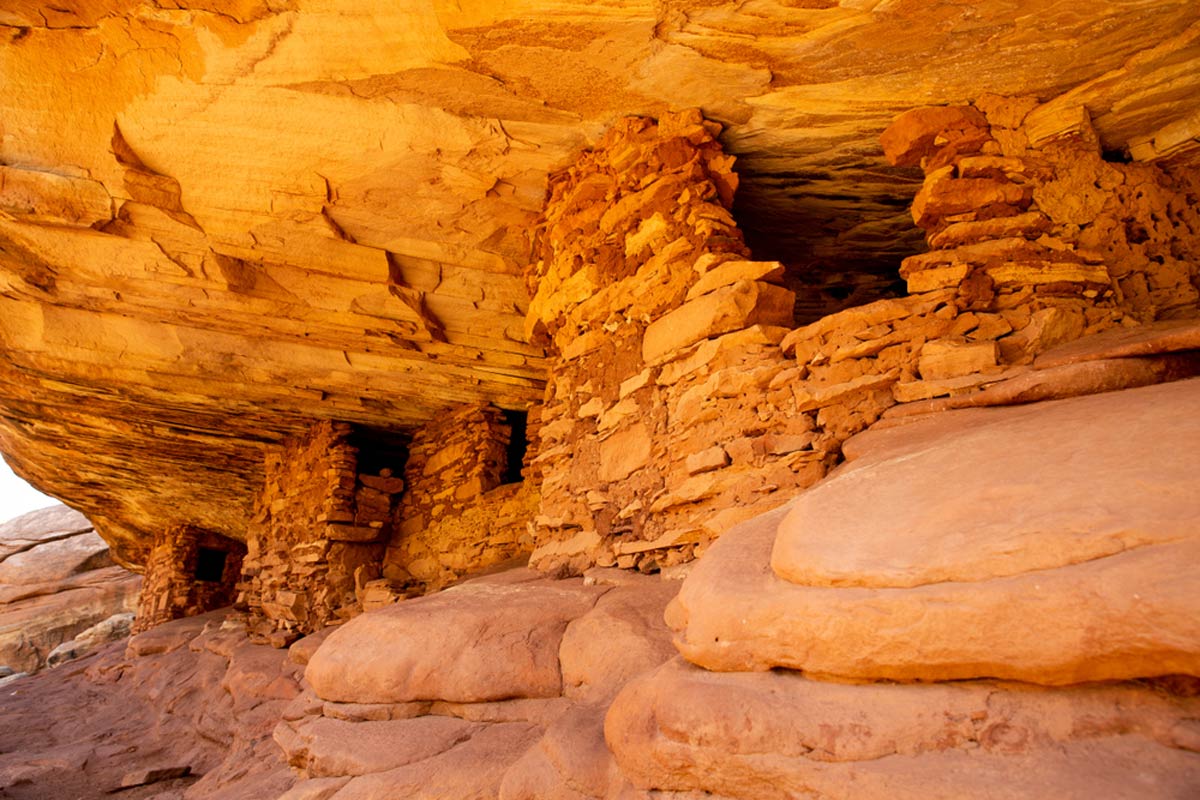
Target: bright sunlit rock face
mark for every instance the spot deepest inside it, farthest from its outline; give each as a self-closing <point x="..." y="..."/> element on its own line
<point x="217" y="226"/>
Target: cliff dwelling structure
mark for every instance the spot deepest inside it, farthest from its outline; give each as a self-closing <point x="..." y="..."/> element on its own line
<point x="643" y="400"/>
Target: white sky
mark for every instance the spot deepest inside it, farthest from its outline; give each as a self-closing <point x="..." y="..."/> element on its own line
<point x="18" y="497"/>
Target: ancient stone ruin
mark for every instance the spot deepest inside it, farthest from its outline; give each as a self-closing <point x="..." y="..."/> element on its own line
<point x="681" y="398"/>
<point x="717" y="415"/>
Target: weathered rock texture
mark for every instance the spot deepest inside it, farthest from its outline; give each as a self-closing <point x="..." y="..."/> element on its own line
<point x="1040" y="585"/>
<point x="57" y="579"/>
<point x="682" y="728"/>
<point x="1074" y="574"/>
<point x="285" y="274"/>
<point x="1019" y="205"/>
<point x="186" y="709"/>
<point x="495" y="688"/>
<point x="219" y="224"/>
<point x="1004" y="597"/>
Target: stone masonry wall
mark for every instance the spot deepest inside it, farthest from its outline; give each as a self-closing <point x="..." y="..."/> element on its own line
<point x="658" y="429"/>
<point x="318" y="533"/>
<point x="456" y="517"/>
<point x="681" y="401"/>
<point x="1022" y="211"/>
<point x="171" y="588"/>
<point x="1035" y="240"/>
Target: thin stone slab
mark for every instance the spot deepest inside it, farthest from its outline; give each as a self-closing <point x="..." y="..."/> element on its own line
<point x="1167" y="336"/>
<point x="1056" y="382"/>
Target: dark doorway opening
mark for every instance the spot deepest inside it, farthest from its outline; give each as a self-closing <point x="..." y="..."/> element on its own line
<point x="210" y="564"/>
<point x="380" y="450"/>
<point x="518" y="445"/>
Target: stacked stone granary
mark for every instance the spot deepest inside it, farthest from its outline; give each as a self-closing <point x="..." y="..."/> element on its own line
<point x="335" y="531"/>
<point x="682" y="399"/>
<point x="456" y="516"/>
<point x="189" y="571"/>
<point x="319" y="527"/>
<point x="664" y="337"/>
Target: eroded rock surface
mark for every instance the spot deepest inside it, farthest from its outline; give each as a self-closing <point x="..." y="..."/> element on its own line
<point x="496" y="688"/>
<point x="780" y="735"/>
<point x="514" y="686"/>
<point x="221" y="223"/>
<point x="57" y="580"/>
<point x="489" y="639"/>
<point x="184" y="710"/>
<point x="1047" y="583"/>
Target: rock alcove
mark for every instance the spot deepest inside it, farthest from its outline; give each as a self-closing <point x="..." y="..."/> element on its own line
<point x="449" y="358"/>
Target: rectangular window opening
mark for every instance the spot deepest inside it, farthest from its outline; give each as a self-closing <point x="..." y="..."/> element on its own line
<point x="210" y="564"/>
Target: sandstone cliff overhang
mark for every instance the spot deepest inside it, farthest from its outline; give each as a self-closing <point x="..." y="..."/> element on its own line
<point x="220" y="223"/>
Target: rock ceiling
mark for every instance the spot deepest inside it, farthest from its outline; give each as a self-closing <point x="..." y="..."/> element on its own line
<point x="219" y="220"/>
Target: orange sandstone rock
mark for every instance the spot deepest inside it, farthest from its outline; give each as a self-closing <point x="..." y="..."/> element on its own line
<point x="985" y="596"/>
<point x="781" y="735"/>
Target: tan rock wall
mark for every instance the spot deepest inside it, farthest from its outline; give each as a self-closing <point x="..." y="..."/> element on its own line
<point x="318" y="532"/>
<point x="176" y="584"/>
<point x="456" y="517"/>
<point x="57" y="580"/>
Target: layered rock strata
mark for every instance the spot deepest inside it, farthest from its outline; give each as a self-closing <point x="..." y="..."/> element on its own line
<point x="1019" y="204"/>
<point x="993" y="602"/>
<point x="183" y="710"/>
<point x="495" y="688"/>
<point x="682" y="397"/>
<point x="217" y="225"/>
<point x="57" y="579"/>
<point x="351" y="518"/>
<point x="684" y="729"/>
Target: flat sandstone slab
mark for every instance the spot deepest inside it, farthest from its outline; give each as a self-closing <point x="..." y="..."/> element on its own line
<point x="1167" y="336"/>
<point x="1038" y="488"/>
